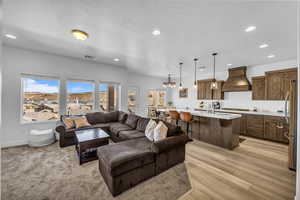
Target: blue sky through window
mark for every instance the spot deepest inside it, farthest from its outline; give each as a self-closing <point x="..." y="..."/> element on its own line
<point x="42" y="86"/>
<point x="103" y="87"/>
<point x="52" y="86"/>
<point x="79" y="87"/>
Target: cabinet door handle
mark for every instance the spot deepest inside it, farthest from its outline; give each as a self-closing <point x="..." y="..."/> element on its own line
<point x="286" y="134"/>
<point x="279" y="126"/>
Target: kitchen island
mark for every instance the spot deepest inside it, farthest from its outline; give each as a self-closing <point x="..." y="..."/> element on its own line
<point x="221" y="129"/>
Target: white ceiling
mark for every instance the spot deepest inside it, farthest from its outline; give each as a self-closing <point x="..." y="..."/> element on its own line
<point x="189" y="28"/>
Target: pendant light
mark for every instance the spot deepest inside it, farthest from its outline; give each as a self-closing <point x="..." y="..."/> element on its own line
<point x="180" y="69"/>
<point x="169" y="84"/>
<point x="195" y="79"/>
<point x="214" y="85"/>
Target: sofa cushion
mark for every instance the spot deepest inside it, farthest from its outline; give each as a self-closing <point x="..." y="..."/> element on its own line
<point x="101" y="125"/>
<point x="173" y="130"/>
<point x="122" y="117"/>
<point x="117" y="127"/>
<point x="132" y="120"/>
<point x="142" y="124"/>
<point x="131" y="134"/>
<point x="96" y="117"/>
<point x="125" y="156"/>
<point x="111" y="116"/>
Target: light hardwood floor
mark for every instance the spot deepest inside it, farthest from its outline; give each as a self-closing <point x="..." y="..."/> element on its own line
<point x="255" y="170"/>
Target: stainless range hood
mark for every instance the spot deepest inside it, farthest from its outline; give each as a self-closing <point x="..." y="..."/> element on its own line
<point x="237" y="80"/>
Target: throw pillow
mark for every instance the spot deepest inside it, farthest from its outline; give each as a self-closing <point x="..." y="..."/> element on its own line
<point x="132" y="120"/>
<point x="81" y="122"/>
<point x="142" y="124"/>
<point x="160" y="131"/>
<point x="122" y="117"/>
<point x="69" y="122"/>
<point x="149" y="131"/>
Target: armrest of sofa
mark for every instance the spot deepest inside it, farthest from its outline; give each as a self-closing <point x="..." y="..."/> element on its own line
<point x="60" y="128"/>
<point x="169" y="143"/>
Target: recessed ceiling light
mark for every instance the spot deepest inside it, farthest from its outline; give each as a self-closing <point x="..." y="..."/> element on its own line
<point x="271" y="56"/>
<point x="79" y="35"/>
<point x="263" y="46"/>
<point x="250" y="28"/>
<point x="116" y="59"/>
<point x="229" y="64"/>
<point x="156" y="32"/>
<point x="10" y="36"/>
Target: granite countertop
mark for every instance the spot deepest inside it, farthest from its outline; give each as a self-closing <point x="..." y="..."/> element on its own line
<point x="218" y="115"/>
<point x="278" y="114"/>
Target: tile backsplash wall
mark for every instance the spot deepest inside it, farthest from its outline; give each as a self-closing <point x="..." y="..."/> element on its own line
<point x="244" y="100"/>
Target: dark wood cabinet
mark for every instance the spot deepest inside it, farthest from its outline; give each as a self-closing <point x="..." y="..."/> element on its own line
<point x="201" y="87"/>
<point x="266" y="127"/>
<point x="275" y="129"/>
<point x="243" y="124"/>
<point x="204" y="90"/>
<point x="258" y="88"/>
<point x="277" y="83"/>
<point x="286" y="80"/>
<point x="218" y="94"/>
<point x="255" y="126"/>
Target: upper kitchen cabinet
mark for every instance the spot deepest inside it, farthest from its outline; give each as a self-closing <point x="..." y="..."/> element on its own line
<point x="278" y="83"/>
<point x="258" y="88"/>
<point x="204" y="90"/>
<point x="218" y="94"/>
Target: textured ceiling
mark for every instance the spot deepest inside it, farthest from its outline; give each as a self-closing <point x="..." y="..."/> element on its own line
<point x="189" y="28"/>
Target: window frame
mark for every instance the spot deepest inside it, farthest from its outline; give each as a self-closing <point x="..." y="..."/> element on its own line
<point x="42" y="77"/>
<point x="94" y="108"/>
<point x="137" y="89"/>
<point x="118" y="105"/>
<point x="158" y="90"/>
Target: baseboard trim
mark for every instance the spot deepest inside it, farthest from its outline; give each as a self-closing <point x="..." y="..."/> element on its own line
<point x="14" y="143"/>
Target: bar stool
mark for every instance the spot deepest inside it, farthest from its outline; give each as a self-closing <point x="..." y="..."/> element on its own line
<point x="174" y="115"/>
<point x="187" y="118"/>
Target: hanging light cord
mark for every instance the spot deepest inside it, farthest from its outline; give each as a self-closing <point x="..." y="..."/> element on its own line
<point x="195" y="69"/>
<point x="214" y="66"/>
<point x="180" y="73"/>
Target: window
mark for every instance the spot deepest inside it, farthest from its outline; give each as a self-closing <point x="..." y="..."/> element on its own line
<point x="108" y="96"/>
<point x="40" y="100"/>
<point x="132" y="99"/>
<point x="156" y="97"/>
<point x="80" y="97"/>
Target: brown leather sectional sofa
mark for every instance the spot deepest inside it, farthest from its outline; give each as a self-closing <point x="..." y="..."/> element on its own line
<point x="132" y="158"/>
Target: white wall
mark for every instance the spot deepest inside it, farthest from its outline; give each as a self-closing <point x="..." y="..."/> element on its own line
<point x="18" y="61"/>
<point x="233" y="99"/>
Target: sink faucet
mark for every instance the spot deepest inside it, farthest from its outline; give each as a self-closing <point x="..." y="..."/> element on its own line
<point x="211" y="108"/>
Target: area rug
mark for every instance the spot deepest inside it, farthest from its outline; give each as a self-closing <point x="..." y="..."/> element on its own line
<point x="53" y="173"/>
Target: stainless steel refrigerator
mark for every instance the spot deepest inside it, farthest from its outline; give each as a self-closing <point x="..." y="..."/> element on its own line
<point x="291" y="119"/>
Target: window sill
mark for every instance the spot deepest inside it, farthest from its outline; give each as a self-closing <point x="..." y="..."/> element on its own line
<point x="39" y="122"/>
